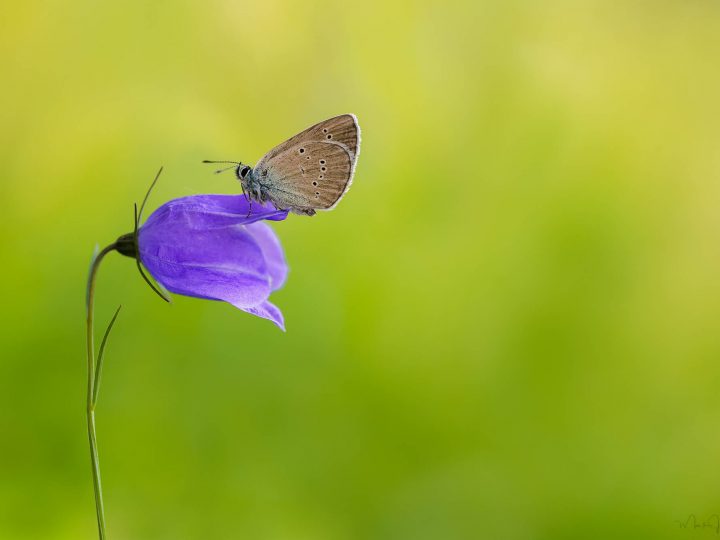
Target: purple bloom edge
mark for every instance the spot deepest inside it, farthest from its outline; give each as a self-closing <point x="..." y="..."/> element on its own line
<point x="216" y="247"/>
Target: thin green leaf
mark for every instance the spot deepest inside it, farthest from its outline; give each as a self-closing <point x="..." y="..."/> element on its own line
<point x="152" y="285"/>
<point x="138" y="217"/>
<point x="101" y="355"/>
<point x="142" y="206"/>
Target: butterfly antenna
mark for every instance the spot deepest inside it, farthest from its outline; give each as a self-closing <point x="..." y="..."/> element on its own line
<point x="234" y="164"/>
<point x="226" y="169"/>
<point x="211" y="161"/>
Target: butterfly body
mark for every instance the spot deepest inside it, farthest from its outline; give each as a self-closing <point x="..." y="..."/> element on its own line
<point x="308" y="172"/>
<point x="256" y="186"/>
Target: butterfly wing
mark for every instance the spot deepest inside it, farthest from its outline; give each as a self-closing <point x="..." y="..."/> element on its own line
<point x="343" y="129"/>
<point x="306" y="176"/>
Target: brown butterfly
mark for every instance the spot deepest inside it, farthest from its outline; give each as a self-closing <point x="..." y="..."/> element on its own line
<point x="308" y="172"/>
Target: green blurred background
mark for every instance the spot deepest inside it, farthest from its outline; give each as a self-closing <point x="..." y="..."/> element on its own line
<point x="508" y="328"/>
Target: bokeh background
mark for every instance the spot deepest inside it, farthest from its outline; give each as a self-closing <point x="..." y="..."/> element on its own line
<point x="508" y="328"/>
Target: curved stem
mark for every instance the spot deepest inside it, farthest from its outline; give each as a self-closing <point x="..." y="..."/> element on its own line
<point x="91" y="395"/>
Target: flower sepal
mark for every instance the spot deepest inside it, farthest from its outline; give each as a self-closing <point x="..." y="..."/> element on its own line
<point x="127" y="245"/>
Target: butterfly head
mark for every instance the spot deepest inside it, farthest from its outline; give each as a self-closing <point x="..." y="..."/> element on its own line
<point x="244" y="174"/>
<point x="242" y="171"/>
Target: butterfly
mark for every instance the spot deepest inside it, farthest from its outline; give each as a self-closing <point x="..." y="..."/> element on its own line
<point x="308" y="172"/>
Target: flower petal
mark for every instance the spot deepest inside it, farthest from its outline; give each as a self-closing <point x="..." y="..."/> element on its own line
<point x="192" y="252"/>
<point x="241" y="280"/>
<point x="269" y="311"/>
<point x="214" y="247"/>
<point x="272" y="251"/>
<point x="221" y="210"/>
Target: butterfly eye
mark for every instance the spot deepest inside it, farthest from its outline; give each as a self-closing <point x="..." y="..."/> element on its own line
<point x="244" y="171"/>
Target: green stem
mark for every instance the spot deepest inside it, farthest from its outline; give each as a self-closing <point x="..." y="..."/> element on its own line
<point x="91" y="394"/>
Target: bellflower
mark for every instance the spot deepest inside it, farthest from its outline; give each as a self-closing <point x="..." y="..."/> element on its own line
<point x="206" y="246"/>
<point x="216" y="247"/>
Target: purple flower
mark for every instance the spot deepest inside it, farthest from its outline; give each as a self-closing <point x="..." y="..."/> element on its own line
<point x="212" y="246"/>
